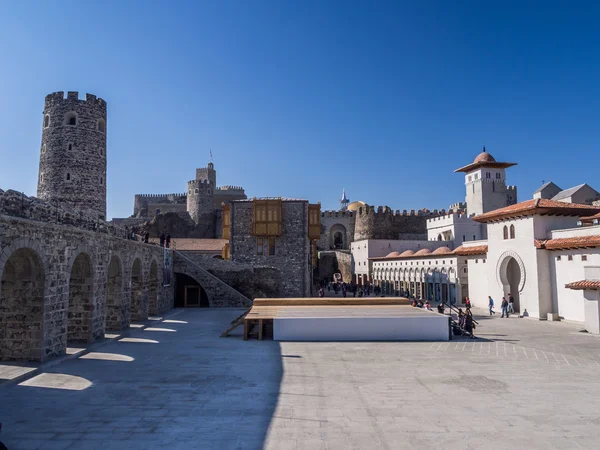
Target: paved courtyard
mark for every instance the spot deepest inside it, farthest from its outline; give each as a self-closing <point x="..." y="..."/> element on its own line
<point x="177" y="385"/>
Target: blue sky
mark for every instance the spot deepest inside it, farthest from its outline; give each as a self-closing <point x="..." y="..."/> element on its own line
<point x="303" y="98"/>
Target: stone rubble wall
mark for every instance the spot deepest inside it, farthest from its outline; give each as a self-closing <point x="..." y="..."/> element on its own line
<point x="57" y="246"/>
<point x="219" y="293"/>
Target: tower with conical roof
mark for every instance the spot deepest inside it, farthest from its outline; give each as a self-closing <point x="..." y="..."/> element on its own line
<point x="485" y="182"/>
<point x="344" y="201"/>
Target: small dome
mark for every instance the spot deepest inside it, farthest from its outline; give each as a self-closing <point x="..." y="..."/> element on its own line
<point x="393" y="255"/>
<point x="407" y="253"/>
<point x="355" y="205"/>
<point x="484" y="157"/>
<point x="423" y="251"/>
<point x="441" y="251"/>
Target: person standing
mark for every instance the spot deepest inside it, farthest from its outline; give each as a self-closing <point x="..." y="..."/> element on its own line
<point x="511" y="303"/>
<point x="469" y="323"/>
<point x="467" y="303"/>
<point x="321" y="292"/>
<point x="168" y="241"/>
<point x="162" y="239"/>
<point x="504" y="306"/>
<point x="491" y="305"/>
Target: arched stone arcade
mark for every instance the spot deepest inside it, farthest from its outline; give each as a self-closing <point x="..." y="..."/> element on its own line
<point x="114" y="296"/>
<point x="153" y="288"/>
<point x="22" y="290"/>
<point x="80" y="303"/>
<point x="139" y="303"/>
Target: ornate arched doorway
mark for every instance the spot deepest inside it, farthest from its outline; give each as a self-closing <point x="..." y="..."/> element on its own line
<point x="337" y="235"/>
<point x="511" y="276"/>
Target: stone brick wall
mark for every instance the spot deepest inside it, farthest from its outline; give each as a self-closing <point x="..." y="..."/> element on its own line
<point x="250" y="281"/>
<point x="292" y="249"/>
<point x="68" y="272"/>
<point x="144" y="204"/>
<point x="333" y="221"/>
<point x="383" y="223"/>
<point x="73" y="155"/>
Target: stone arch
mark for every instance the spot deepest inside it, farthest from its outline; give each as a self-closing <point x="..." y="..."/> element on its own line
<point x="338" y="237"/>
<point x="113" y="309"/>
<point x="153" y="288"/>
<point x="71" y="118"/>
<point x="81" y="298"/>
<point x="139" y="303"/>
<point x="22" y="293"/>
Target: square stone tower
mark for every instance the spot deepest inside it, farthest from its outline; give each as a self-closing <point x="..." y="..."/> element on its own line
<point x="485" y="182"/>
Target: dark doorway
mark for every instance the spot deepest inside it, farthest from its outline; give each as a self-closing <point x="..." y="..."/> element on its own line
<point x="513" y="274"/>
<point x="189" y="293"/>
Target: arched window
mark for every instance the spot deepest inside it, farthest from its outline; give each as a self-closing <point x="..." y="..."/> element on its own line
<point x="439" y="237"/>
<point x="505" y="230"/>
<point x="196" y="191"/>
<point x="71" y="118"/>
<point x="100" y="180"/>
<point x="68" y="176"/>
<point x="46" y="121"/>
<point x="512" y="231"/>
<point x="101" y="126"/>
<point x="43" y="149"/>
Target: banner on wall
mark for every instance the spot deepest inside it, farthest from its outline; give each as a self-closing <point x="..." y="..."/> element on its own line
<point x="167" y="267"/>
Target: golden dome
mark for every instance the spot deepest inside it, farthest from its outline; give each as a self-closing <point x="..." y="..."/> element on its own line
<point x="355" y="205"/>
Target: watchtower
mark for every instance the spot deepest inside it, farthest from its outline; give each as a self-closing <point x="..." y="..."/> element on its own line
<point x="73" y="153"/>
<point x="200" y="199"/>
<point x="207" y="173"/>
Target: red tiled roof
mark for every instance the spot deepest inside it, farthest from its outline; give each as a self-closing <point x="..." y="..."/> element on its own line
<point x="468" y="251"/>
<point x="484" y="157"/>
<point x="584" y="284"/>
<point x="538" y="206"/>
<point x="569" y="243"/>
<point x="393" y="255"/>
<point x="423" y="251"/>
<point x="407" y="253"/>
<point x="590" y="218"/>
<point x="442" y="251"/>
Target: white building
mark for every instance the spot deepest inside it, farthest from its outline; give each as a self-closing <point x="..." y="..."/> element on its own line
<point x="537" y="252"/>
<point x="364" y="251"/>
<point x="435" y="275"/>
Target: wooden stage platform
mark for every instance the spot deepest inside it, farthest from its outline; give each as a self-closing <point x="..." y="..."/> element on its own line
<point x="344" y="319"/>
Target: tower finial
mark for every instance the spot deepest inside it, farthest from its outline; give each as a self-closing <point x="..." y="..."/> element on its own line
<point x="210" y="151"/>
<point x="484" y="148"/>
<point x="344" y="200"/>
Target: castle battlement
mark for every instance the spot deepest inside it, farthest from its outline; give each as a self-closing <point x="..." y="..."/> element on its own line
<point x="73" y="96"/>
<point x="333" y="213"/>
<point x="159" y="195"/>
<point x="387" y="211"/>
<point x="230" y="188"/>
<point x="200" y="182"/>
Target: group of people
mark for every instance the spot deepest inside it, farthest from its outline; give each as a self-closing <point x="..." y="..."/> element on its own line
<point x="465" y="321"/>
<point x="165" y="240"/>
<point x="508" y="306"/>
<point x="345" y="288"/>
<point x="419" y="304"/>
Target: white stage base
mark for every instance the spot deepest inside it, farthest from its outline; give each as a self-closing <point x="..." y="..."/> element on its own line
<point x="428" y="327"/>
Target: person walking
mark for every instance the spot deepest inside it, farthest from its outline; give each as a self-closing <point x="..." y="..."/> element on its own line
<point x="511" y="303"/>
<point x="168" y="241"/>
<point x="504" y="306"/>
<point x="321" y="292"/>
<point x="467" y="303"/>
<point x="469" y="327"/>
<point x="491" y="305"/>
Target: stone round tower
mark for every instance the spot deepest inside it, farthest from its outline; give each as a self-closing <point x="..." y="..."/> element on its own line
<point x="200" y="200"/>
<point x="73" y="154"/>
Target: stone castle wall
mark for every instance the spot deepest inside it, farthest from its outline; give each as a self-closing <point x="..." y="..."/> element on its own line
<point x="332" y="222"/>
<point x="52" y="296"/>
<point x="293" y="250"/>
<point x="72" y="167"/>
<point x="382" y="223"/>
